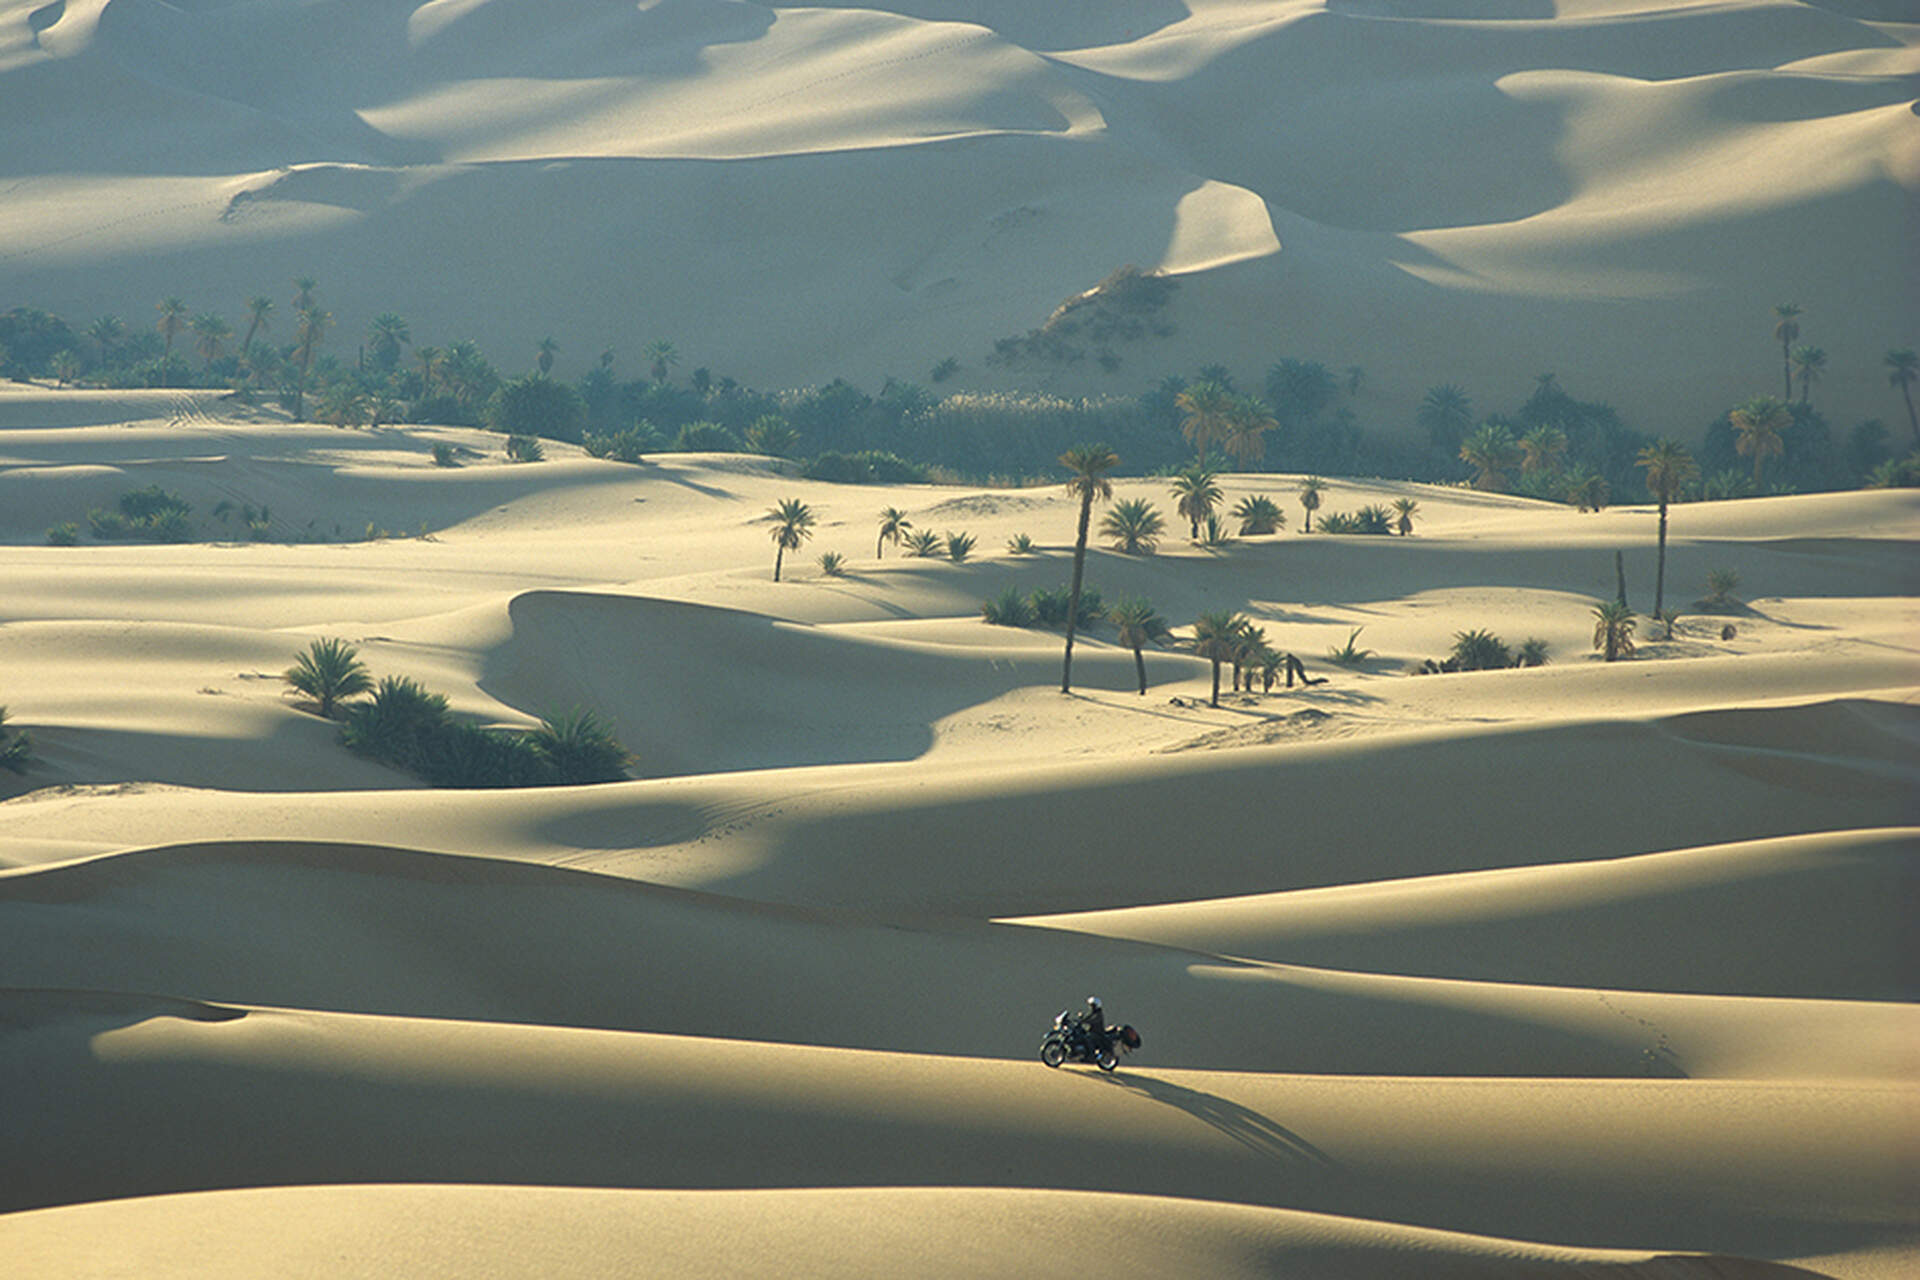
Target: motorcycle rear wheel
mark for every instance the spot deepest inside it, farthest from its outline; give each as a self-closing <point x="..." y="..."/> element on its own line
<point x="1107" y="1062"/>
<point x="1053" y="1053"/>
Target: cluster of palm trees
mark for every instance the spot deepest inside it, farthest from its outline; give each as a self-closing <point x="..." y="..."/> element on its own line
<point x="211" y="332"/>
<point x="1213" y="414"/>
<point x="1805" y="364"/>
<point x="405" y="725"/>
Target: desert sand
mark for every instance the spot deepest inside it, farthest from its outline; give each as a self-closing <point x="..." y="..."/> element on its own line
<point x="1580" y="969"/>
<point x="1616" y="191"/>
<point x="1586" y="969"/>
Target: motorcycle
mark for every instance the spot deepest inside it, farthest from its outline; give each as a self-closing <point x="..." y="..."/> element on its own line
<point x="1071" y="1040"/>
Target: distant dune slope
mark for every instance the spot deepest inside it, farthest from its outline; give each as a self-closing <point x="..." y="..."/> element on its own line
<point x="1617" y="193"/>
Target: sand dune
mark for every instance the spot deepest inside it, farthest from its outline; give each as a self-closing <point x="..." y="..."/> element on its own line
<point x="194" y="1091"/>
<point x="431" y="1231"/>
<point x="157" y="919"/>
<point x="1829" y="907"/>
<point x="1596" y="183"/>
<point x="1606" y="957"/>
<point x="1585" y="969"/>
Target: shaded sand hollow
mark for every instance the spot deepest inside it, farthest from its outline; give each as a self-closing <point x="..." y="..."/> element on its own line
<point x="1586" y="969"/>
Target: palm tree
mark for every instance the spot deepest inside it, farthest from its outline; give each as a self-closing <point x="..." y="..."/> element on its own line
<point x="544" y="354"/>
<point x="211" y="330"/>
<point x="313" y="324"/>
<point x="1404" y="508"/>
<point x="580" y="747"/>
<point x="1310" y="490"/>
<point x="1785" y="330"/>
<point x="1760" y="423"/>
<point x="1134" y="526"/>
<point x="1613" y="630"/>
<point x="1137" y="624"/>
<point x="343" y="405"/>
<point x="1446" y="413"/>
<point x="893" y="526"/>
<point x="1588" y="492"/>
<point x="106" y="333"/>
<point x="663" y="356"/>
<point x="1204" y="407"/>
<point x="792" y="525"/>
<point x="386" y="335"/>
<point x="1670" y="468"/>
<point x="329" y="671"/>
<point x="1808" y="363"/>
<point x="1490" y="450"/>
<point x="1216" y="637"/>
<point x="303" y="287"/>
<point x="1247" y="420"/>
<point x="1089" y="464"/>
<point x="1248" y="647"/>
<point x="173" y="318"/>
<point x="65" y="365"/>
<point x="1258" y="514"/>
<point x="1195" y="495"/>
<point x="1541" y="449"/>
<point x="259" y="309"/>
<point x="1903" y="367"/>
<point x="429" y="358"/>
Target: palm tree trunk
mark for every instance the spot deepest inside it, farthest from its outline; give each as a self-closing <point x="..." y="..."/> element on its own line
<point x="1906" y="394"/>
<point x="879" y="547"/>
<point x="1660" y="574"/>
<point x="1073" y="596"/>
<point x="1140" y="666"/>
<point x="779" y="552"/>
<point x="1216" y="682"/>
<point x="1786" y="372"/>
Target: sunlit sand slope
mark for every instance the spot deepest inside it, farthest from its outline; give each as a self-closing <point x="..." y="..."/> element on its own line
<point x="550" y="1233"/>
<point x="1821" y="914"/>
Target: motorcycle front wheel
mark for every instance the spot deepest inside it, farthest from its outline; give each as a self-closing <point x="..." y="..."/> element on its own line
<point x="1107" y="1062"/>
<point x="1053" y="1053"/>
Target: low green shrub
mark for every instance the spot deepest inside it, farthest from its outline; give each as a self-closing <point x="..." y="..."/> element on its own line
<point x="1050" y="606"/>
<point x="1350" y="655"/>
<point x="66" y="534"/>
<point x="1008" y="609"/>
<point x="1479" y="650"/>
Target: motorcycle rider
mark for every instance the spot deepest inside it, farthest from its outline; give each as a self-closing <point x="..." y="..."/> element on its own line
<point x="1099" y="1036"/>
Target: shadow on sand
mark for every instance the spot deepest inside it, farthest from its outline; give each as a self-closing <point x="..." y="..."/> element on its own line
<point x="1243" y="1124"/>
